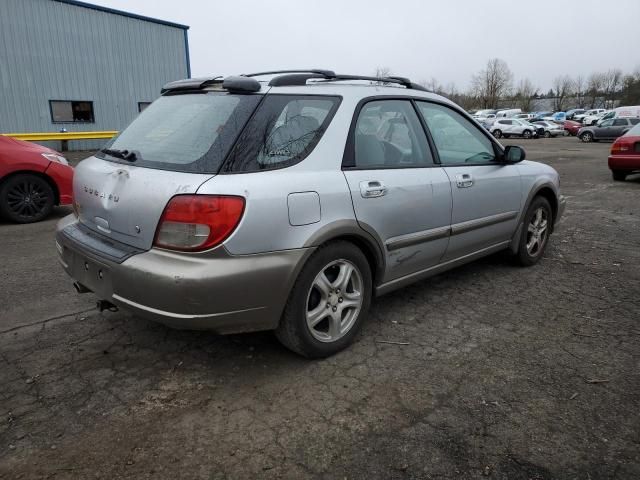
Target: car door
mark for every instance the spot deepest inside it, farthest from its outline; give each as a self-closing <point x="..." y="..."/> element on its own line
<point x="604" y="130"/>
<point x="486" y="193"/>
<point x="619" y="127"/>
<point x="400" y="196"/>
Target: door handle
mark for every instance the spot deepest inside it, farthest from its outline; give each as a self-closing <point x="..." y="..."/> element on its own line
<point x="372" y="189"/>
<point x="464" y="180"/>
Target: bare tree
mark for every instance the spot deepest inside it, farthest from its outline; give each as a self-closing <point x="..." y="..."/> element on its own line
<point x="382" y="72"/>
<point x="612" y="81"/>
<point x="493" y="82"/>
<point x="579" y="86"/>
<point x="563" y="86"/>
<point x="525" y="92"/>
<point x="595" y="84"/>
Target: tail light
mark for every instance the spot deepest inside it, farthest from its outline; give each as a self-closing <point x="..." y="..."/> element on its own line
<point x="192" y="223"/>
<point x="620" y="147"/>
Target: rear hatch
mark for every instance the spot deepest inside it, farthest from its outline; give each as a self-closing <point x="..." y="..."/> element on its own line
<point x="175" y="145"/>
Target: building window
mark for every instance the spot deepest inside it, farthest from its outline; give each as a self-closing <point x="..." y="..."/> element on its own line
<point x="71" y="111"/>
<point x="143" y="105"/>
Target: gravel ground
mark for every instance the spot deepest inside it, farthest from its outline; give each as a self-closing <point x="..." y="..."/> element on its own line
<point x="509" y="373"/>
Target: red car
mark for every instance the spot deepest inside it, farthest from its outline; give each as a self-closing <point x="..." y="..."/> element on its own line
<point x="33" y="179"/>
<point x="625" y="154"/>
<point x="572" y="127"/>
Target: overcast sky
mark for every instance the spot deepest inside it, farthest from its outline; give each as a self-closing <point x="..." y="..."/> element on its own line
<point x="449" y="40"/>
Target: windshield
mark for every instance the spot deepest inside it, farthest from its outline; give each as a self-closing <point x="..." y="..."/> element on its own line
<point x="184" y="132"/>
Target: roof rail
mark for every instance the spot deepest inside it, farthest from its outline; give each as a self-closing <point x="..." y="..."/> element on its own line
<point x="300" y="77"/>
<point x="317" y="71"/>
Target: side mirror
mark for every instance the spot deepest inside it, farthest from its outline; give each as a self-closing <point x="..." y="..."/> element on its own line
<point x="514" y="154"/>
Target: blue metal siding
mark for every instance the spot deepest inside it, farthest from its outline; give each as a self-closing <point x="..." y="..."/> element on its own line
<point x="58" y="51"/>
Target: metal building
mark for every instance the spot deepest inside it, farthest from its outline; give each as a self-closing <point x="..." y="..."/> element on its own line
<point x="71" y="65"/>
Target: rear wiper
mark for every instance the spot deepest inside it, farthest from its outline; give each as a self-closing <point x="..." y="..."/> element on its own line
<point x="128" y="155"/>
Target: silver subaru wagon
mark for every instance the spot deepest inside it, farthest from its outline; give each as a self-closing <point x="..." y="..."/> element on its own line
<point x="286" y="200"/>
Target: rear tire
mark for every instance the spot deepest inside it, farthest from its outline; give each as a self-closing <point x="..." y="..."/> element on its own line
<point x="547" y="134"/>
<point x="26" y="198"/>
<point x="536" y="230"/>
<point x="329" y="301"/>
<point x="497" y="133"/>
<point x="619" y="175"/>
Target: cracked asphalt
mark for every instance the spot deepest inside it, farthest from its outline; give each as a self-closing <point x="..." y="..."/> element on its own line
<point x="504" y="372"/>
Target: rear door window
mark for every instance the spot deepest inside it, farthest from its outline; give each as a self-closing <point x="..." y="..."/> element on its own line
<point x="388" y="134"/>
<point x="283" y="131"/>
<point x="619" y="122"/>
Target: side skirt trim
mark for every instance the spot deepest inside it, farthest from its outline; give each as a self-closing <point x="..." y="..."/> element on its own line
<point x="434" y="270"/>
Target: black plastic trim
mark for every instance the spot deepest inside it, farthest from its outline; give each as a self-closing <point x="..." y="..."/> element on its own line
<point x="97" y="245"/>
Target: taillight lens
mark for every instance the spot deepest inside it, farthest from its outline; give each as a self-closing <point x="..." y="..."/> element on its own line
<point x="620" y="146"/>
<point x="193" y="223"/>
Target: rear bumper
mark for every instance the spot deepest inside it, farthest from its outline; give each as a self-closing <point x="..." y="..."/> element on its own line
<point x="210" y="291"/>
<point x="624" y="162"/>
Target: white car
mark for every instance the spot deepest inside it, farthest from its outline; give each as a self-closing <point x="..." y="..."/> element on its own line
<point x="511" y="127"/>
<point x="588" y="113"/>
<point x="593" y="119"/>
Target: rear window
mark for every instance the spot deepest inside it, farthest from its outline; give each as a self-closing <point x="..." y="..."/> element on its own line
<point x="283" y="131"/>
<point x="634" y="132"/>
<point x="185" y="132"/>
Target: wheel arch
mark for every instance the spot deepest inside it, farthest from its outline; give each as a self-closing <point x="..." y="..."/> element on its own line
<point x="545" y="190"/>
<point x="42" y="175"/>
<point x="351" y="231"/>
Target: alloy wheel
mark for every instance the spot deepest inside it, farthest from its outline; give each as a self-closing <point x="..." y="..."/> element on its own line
<point x="537" y="232"/>
<point x="27" y="199"/>
<point x="334" y="301"/>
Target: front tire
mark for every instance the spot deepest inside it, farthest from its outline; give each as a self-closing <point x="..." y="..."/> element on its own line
<point x="26" y="198"/>
<point x="526" y="134"/>
<point x="535" y="233"/>
<point x="328" y="303"/>
<point x="547" y="134"/>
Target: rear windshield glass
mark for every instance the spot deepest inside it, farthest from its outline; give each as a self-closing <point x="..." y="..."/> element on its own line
<point x="284" y="130"/>
<point x="634" y="132"/>
<point x="184" y="132"/>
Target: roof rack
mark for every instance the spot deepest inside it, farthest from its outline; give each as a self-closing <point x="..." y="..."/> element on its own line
<point x="246" y="82"/>
<point x="317" y="71"/>
<point x="300" y="77"/>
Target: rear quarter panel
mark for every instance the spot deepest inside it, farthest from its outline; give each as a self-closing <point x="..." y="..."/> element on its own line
<point x="266" y="224"/>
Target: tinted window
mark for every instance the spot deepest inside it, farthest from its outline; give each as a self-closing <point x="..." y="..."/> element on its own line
<point x="618" y="122"/>
<point x="283" y="131"/>
<point x="186" y="132"/>
<point x="457" y="139"/>
<point x="388" y="134"/>
<point x="606" y="123"/>
<point x="634" y="121"/>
